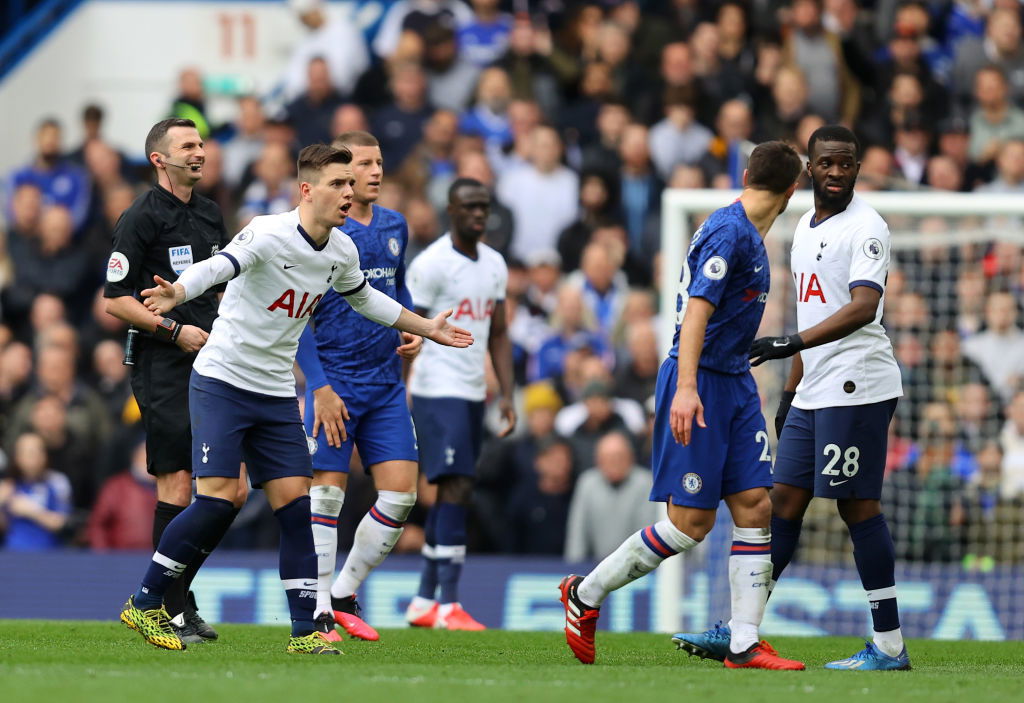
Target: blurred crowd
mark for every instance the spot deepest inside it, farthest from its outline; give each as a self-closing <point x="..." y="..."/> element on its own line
<point x="577" y="114"/>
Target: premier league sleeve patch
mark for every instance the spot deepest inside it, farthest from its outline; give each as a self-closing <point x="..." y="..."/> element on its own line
<point x="117" y="267"/>
<point x="715" y="268"/>
<point x="181" y="258"/>
<point x="873" y="249"/>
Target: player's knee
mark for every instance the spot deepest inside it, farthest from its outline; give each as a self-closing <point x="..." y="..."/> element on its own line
<point x="174" y="488"/>
<point x="241" y="493"/>
<point x="695" y="524"/>
<point x="789" y="502"/>
<point x="396" y="504"/>
<point x="326" y="500"/>
<point x="854" y="510"/>
<point x="338" y="479"/>
<point x="455" y="489"/>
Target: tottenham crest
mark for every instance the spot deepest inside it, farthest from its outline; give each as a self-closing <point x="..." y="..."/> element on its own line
<point x="873" y="249"/>
<point x="715" y="268"/>
<point x="393" y="246"/>
<point x="692" y="483"/>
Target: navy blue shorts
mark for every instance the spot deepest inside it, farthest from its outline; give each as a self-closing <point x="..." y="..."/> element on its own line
<point x="379" y="425"/>
<point x="449" y="431"/>
<point x="730" y="455"/>
<point x="231" y="425"/>
<point x="836" y="452"/>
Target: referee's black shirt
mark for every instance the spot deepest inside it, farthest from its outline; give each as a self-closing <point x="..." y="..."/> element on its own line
<point x="160" y="235"/>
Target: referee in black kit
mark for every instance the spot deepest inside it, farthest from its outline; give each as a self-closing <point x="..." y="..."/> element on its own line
<point x="165" y="231"/>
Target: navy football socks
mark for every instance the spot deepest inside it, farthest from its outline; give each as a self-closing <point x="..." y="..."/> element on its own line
<point x="297" y="565"/>
<point x="785" y="535"/>
<point x="451" y="549"/>
<point x="428" y="577"/>
<point x="875" y="556"/>
<point x="179" y="545"/>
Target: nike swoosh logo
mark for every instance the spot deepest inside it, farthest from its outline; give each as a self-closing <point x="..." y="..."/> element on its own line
<point x="758" y="268"/>
<point x="837" y="483"/>
<point x="778" y="344"/>
<point x="308" y="584"/>
<point x="290" y="266"/>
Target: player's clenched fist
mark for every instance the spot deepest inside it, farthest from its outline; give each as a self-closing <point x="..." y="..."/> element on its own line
<point x="685" y="406"/>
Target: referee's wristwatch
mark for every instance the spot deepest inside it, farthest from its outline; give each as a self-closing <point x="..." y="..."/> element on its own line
<point x="167" y="330"/>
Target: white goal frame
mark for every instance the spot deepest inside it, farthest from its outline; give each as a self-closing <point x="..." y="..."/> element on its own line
<point x="678" y="205"/>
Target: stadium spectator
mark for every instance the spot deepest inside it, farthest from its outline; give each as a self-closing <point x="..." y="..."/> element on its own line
<point x="538" y="508"/>
<point x="472" y="163"/>
<point x="603" y="154"/>
<point x="35" y="501"/>
<point x="610" y="501"/>
<point x="597" y="413"/>
<point x="999" y="348"/>
<point x="246" y="145"/>
<point x="542" y="194"/>
<point x="602" y="283"/>
<point x="60" y="182"/>
<point x="995" y="118"/>
<point x="416" y="16"/>
<point x="533" y="76"/>
<point x="1009" y="170"/>
<point x="484" y="38"/>
<point x="1011" y="440"/>
<point x="925" y="499"/>
<point x="1000" y="47"/>
<point x="640" y="192"/>
<point x="575" y="327"/>
<point x="123" y="515"/>
<point x="637" y="372"/>
<point x="274" y="190"/>
<point x="400" y="121"/>
<point x="190" y="103"/>
<point x="832" y="91"/>
<point x="429" y="169"/>
<point x="598" y="206"/>
<point x="726" y="158"/>
<point x="678" y="138"/>
<point x="943" y="173"/>
<point x="311" y="112"/>
<point x="450" y="77"/>
<point x="488" y="116"/>
<point x="337" y="40"/>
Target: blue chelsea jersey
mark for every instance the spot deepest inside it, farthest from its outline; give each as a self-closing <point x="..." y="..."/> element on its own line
<point x="350" y="347"/>
<point x="728" y="266"/>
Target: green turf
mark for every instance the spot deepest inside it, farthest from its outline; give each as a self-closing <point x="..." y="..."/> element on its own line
<point x="68" y="662"/>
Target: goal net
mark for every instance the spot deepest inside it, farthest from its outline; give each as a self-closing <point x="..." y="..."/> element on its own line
<point x="954" y="491"/>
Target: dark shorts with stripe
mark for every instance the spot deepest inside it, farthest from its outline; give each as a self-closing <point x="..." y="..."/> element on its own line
<point x="160" y="381"/>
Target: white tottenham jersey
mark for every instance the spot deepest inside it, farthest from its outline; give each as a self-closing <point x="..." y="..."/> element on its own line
<point x="441" y="278"/>
<point x="280" y="278"/>
<point x="828" y="260"/>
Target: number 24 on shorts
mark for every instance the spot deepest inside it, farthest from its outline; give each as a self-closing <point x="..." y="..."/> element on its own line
<point x="850" y="462"/>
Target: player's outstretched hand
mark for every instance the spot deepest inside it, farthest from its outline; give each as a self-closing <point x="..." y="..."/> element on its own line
<point x="329" y="411"/>
<point x="449" y="335"/>
<point x="162" y="297"/>
<point x="685" y="406"/>
<point x="411" y="346"/>
<point x="767" y="348"/>
<point x="191" y="338"/>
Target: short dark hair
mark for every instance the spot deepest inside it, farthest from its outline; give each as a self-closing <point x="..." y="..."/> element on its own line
<point x="158" y="132"/>
<point x="47" y="122"/>
<point x="834" y="133"/>
<point x="773" y="166"/>
<point x="92" y="113"/>
<point x="354" y="138"/>
<point x="315" y="157"/>
<point x="460" y="183"/>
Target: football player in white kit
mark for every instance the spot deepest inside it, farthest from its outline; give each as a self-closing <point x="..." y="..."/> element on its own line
<point x="448" y="391"/>
<point x="841" y="393"/>
<point x="242" y="392"/>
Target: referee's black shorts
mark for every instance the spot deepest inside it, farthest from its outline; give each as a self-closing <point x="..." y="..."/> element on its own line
<point x="160" y="382"/>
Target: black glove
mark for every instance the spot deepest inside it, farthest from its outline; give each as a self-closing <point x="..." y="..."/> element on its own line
<point x="774" y="348"/>
<point x="780" y="415"/>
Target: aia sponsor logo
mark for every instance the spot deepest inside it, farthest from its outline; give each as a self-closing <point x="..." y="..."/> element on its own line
<point x="808" y="287"/>
<point x="474" y="309"/>
<point x="286" y="302"/>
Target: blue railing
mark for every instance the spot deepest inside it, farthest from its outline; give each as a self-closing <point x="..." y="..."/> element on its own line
<point x="25" y="24"/>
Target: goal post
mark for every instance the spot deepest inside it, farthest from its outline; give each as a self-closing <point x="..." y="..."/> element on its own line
<point x="941" y="242"/>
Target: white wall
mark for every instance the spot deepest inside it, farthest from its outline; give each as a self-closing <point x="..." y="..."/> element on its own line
<point x="126" y="55"/>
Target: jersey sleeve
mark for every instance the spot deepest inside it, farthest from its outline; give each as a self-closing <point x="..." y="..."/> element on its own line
<point x="711" y="262"/>
<point x="309" y="360"/>
<point x="869" y="257"/>
<point x="422" y="284"/>
<point x="501" y="284"/>
<point x="133" y="234"/>
<point x="252" y="246"/>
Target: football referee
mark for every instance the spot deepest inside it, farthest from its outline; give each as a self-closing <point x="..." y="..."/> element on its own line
<point x="163" y="232"/>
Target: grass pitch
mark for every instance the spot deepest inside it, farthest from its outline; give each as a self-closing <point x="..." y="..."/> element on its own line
<point x="105" y="662"/>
